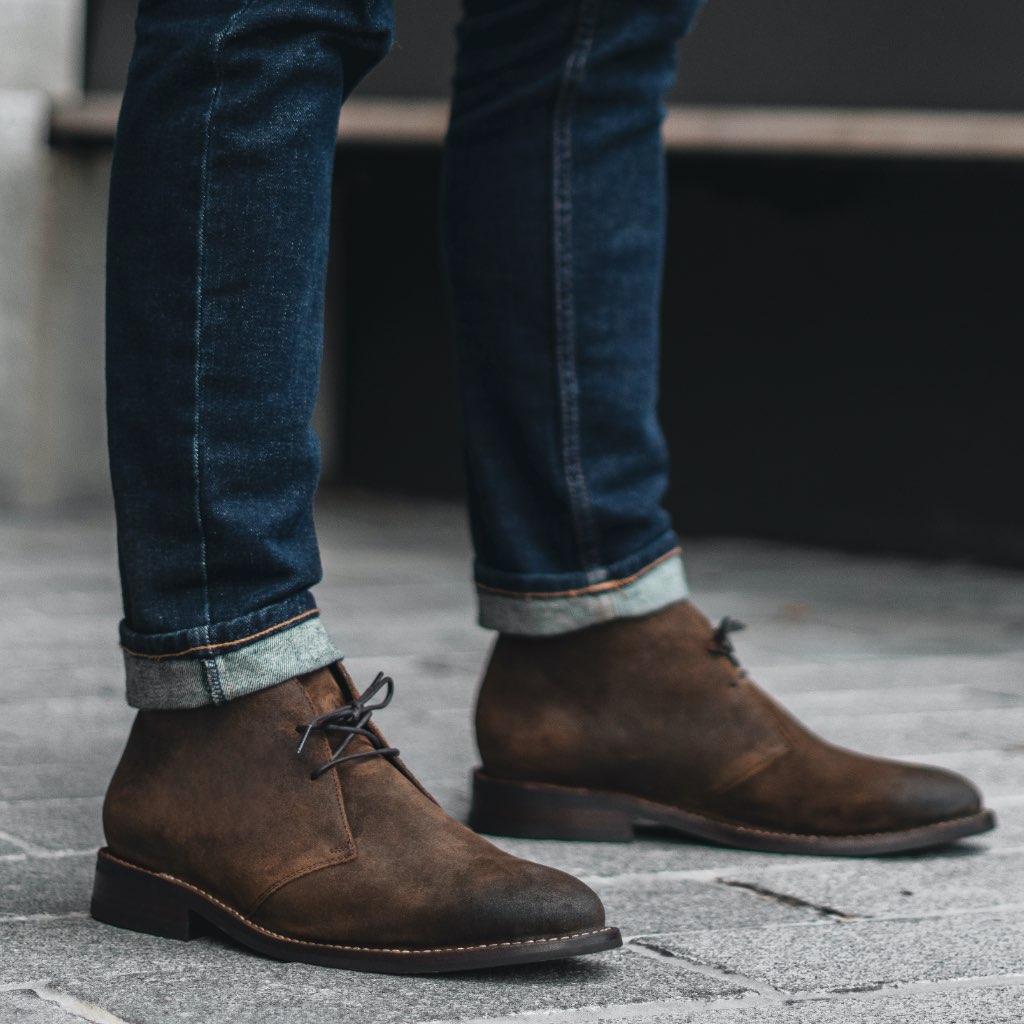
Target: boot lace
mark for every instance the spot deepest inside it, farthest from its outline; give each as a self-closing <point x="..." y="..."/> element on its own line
<point x="352" y="720"/>
<point x="722" y="645"/>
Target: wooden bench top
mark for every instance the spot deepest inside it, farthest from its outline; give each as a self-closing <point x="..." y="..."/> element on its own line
<point x="976" y="135"/>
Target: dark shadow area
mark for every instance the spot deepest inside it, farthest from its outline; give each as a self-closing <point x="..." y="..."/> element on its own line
<point x="838" y="357"/>
<point x="875" y="53"/>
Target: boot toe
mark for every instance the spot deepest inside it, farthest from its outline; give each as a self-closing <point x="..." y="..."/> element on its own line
<point x="533" y="901"/>
<point x="928" y="795"/>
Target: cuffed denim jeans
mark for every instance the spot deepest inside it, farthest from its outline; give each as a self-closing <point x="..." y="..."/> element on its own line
<point x="554" y="223"/>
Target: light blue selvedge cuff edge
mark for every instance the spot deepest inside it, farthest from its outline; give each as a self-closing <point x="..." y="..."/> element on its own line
<point x="168" y="683"/>
<point x="659" y="584"/>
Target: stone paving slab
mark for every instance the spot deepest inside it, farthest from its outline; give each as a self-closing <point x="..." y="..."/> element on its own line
<point x="80" y="726"/>
<point x="1009" y="832"/>
<point x="73" y="777"/>
<point x="141" y="978"/>
<point x="916" y="734"/>
<point x="824" y="683"/>
<point x="28" y="1008"/>
<point x="907" y="886"/>
<point x="643" y="906"/>
<point x="965" y="1005"/>
<point x="859" y="955"/>
<point x="57" y="825"/>
<point x="8" y="849"/>
<point x="660" y="854"/>
<point x="893" y="656"/>
<point x="38" y="885"/>
<point x="997" y="773"/>
<point x="900" y="700"/>
<point x="94" y="670"/>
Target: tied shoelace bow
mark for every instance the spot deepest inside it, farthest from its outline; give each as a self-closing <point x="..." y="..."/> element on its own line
<point x="352" y="720"/>
<point x="723" y="647"/>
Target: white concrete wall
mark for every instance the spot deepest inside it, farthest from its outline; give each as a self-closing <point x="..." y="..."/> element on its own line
<point x="52" y="207"/>
<point x="41" y="43"/>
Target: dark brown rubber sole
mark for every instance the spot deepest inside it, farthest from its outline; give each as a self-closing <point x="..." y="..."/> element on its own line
<point x="132" y="897"/>
<point x="535" y="810"/>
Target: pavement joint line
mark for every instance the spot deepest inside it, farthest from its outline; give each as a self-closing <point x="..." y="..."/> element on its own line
<point x="788" y="900"/>
<point x="863" y="919"/>
<point x="644" y="947"/>
<point x="662" y="1008"/>
<point x="74" y="1007"/>
<point x="71" y="915"/>
<point x="935" y="915"/>
<point x="31" y="850"/>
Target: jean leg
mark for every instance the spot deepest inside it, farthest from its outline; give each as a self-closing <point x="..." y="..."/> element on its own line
<point x="216" y="269"/>
<point x="554" y="232"/>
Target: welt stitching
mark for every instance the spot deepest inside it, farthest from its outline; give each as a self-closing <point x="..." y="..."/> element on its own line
<point x="227" y="643"/>
<point x="564" y="293"/>
<point x="331" y="945"/>
<point x="594" y="588"/>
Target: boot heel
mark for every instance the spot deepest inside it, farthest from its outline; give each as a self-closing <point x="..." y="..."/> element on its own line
<point x="130" y="898"/>
<point x="534" y="810"/>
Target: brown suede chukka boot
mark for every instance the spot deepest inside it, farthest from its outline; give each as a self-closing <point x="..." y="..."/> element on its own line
<point x="651" y="720"/>
<point x="331" y="855"/>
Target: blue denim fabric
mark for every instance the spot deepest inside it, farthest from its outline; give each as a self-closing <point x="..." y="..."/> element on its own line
<point x="554" y="208"/>
<point x="554" y="228"/>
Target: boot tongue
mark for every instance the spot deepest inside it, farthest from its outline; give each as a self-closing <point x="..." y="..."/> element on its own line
<point x="325" y="694"/>
<point x="323" y="690"/>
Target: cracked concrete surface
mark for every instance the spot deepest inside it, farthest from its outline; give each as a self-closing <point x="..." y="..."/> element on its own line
<point x="898" y="657"/>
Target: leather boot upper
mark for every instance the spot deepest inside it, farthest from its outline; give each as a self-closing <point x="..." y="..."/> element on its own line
<point x="658" y="707"/>
<point x="219" y="798"/>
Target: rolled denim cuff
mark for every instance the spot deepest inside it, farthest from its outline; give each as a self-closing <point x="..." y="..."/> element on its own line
<point x="217" y="673"/>
<point x="659" y="583"/>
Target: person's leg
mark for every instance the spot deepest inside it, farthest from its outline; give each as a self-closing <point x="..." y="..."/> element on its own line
<point x="216" y="266"/>
<point x="608" y="697"/>
<point x="254" y="793"/>
<point x="554" y="231"/>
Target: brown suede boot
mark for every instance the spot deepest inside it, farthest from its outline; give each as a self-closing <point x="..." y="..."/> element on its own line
<point x="328" y="856"/>
<point x="647" y="720"/>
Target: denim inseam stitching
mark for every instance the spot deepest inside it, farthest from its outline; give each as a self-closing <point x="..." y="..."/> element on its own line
<point x="565" y="299"/>
<point x="213" y="683"/>
<point x="200" y="319"/>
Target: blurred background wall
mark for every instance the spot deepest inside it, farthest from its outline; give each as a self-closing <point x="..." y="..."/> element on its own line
<point x="914" y="53"/>
<point x="839" y="329"/>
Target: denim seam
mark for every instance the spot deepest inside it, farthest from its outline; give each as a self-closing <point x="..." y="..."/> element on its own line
<point x="200" y="318"/>
<point x="592" y="590"/>
<point x="224" y="676"/>
<point x="654" y="590"/>
<point x="226" y="643"/>
<point x="213" y="684"/>
<point x="564" y="294"/>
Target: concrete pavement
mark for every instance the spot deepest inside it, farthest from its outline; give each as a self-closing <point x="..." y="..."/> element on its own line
<point x="892" y="656"/>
